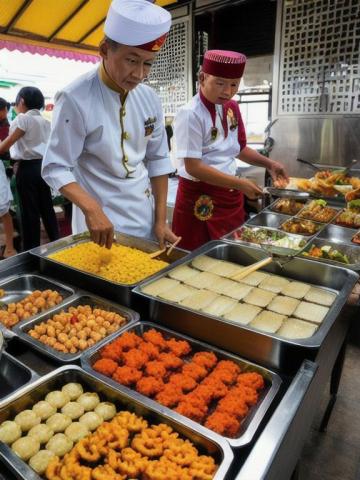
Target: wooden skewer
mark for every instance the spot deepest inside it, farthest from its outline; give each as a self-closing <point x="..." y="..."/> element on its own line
<point x="252" y="268"/>
<point x="173" y="246"/>
<point x="157" y="253"/>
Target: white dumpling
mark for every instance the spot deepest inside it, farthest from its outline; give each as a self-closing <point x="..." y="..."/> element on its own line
<point x="41" y="460"/>
<point x="76" y="431"/>
<point x="58" y="422"/>
<point x="74" y="390"/>
<point x="59" y="444"/>
<point x="43" y="409"/>
<point x="89" y="400"/>
<point x="27" y="419"/>
<point x="41" y="432"/>
<point x="73" y="409"/>
<point x="26" y="447"/>
<point x="106" y="410"/>
<point x="57" y="399"/>
<point x="9" y="432"/>
<point x="91" y="419"/>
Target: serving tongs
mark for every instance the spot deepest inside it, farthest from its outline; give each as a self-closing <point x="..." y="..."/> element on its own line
<point x="169" y="247"/>
<point x="279" y="255"/>
<point x="344" y="170"/>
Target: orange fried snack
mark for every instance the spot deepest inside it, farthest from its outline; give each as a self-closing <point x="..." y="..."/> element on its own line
<point x="127" y="375"/>
<point x="170" y="396"/>
<point x="106" y="366"/>
<point x="207" y="360"/>
<point x="151" y="350"/>
<point x="156" y="338"/>
<point x="112" y="350"/>
<point x="149" y="386"/>
<point x="195" y="371"/>
<point x="155" y="369"/>
<point x="251" y="379"/>
<point x="130" y="421"/>
<point x="135" y="358"/>
<point x="233" y="405"/>
<point x="171" y="361"/>
<point x="192" y="408"/>
<point x="129" y="340"/>
<point x="179" y="348"/>
<point x="223" y="423"/>
<point x="185" y="382"/>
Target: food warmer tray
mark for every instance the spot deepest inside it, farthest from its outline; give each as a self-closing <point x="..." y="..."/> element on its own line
<point x="251" y="422"/>
<point x="268" y="219"/>
<point x="82" y="298"/>
<point x="338" y="234"/>
<point x="207" y="442"/>
<point x="115" y="291"/>
<point x="263" y="348"/>
<point x="351" y="251"/>
<point x="13" y="375"/>
<point x="19" y="286"/>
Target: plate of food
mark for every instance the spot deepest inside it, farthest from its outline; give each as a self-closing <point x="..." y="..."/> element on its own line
<point x="319" y="211"/>
<point x="287" y="206"/>
<point x="327" y="252"/>
<point x="301" y="226"/>
<point x="349" y="216"/>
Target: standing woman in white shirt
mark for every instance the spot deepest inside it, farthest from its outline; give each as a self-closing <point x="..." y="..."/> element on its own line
<point x="27" y="138"/>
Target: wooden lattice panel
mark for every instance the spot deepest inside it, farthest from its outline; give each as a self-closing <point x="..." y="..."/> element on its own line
<point x="320" y="57"/>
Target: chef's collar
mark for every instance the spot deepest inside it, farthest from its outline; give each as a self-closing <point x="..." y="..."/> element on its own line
<point x="109" y="82"/>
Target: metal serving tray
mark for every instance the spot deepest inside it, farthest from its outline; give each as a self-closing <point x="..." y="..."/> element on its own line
<point x="338" y="234"/>
<point x="13" y="375"/>
<point x="206" y="442"/>
<point x="257" y="413"/>
<point x="81" y="299"/>
<point x="18" y="287"/>
<point x="94" y="283"/>
<point x="234" y="237"/>
<point x="260" y="347"/>
<point x="352" y="251"/>
<point x="268" y="219"/>
<point x="272" y="206"/>
<point x="319" y="225"/>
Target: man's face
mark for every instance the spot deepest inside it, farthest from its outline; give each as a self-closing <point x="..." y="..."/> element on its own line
<point x="127" y="66"/>
<point x="217" y="89"/>
<point x="3" y="113"/>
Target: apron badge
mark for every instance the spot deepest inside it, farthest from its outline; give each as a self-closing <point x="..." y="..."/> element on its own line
<point x="214" y="132"/>
<point x="233" y="121"/>
<point x="204" y="207"/>
<point x="149" y="125"/>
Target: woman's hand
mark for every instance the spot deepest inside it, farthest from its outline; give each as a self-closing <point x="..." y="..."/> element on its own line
<point x="164" y="234"/>
<point x="278" y="174"/>
<point x="249" y="189"/>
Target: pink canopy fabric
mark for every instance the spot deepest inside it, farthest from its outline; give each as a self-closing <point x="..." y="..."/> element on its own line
<point x="52" y="52"/>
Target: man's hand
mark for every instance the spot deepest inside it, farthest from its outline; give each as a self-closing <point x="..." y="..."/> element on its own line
<point x="249" y="189"/>
<point x="100" y="227"/>
<point x="278" y="174"/>
<point x="164" y="234"/>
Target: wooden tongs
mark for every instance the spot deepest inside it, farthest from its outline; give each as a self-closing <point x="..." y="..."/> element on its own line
<point x="168" y="249"/>
<point x="251" y="268"/>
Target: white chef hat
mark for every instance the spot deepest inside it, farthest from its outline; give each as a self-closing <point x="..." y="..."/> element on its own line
<point x="137" y="23"/>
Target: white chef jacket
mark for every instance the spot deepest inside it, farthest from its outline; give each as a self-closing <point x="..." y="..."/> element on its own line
<point x="5" y="191"/>
<point x="109" y="149"/>
<point x="37" y="130"/>
<point x="193" y="125"/>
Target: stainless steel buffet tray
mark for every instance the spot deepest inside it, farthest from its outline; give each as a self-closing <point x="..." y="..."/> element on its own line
<point x="260" y="347"/>
<point x="352" y="252"/>
<point x="251" y="422"/>
<point x="18" y="287"/>
<point x="116" y="291"/>
<point x="206" y="442"/>
<point x="339" y="235"/>
<point x="268" y="219"/>
<point x="13" y="375"/>
<point x="81" y="298"/>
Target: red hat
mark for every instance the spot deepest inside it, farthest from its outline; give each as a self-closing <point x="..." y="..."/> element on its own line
<point x="224" y="63"/>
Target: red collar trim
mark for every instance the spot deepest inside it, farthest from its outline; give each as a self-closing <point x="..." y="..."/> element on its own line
<point x="212" y="110"/>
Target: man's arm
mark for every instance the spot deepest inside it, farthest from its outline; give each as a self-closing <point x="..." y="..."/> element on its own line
<point x="159" y="187"/>
<point x="100" y="227"/>
<point x="276" y="169"/>
<point x="11" y="139"/>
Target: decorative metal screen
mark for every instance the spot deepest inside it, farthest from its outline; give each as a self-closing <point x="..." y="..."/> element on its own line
<point x="171" y="73"/>
<point x="320" y="57"/>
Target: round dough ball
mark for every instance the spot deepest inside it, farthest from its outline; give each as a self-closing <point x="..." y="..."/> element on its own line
<point x="26" y="420"/>
<point x="26" y="447"/>
<point x="74" y="390"/>
<point x="41" y="432"/>
<point x="9" y="432"/>
<point x="76" y="431"/>
<point x="106" y="410"/>
<point x="58" y="422"/>
<point x="73" y="410"/>
<point x="91" y="419"/>
<point x="41" y="460"/>
<point x="57" y="399"/>
<point x="59" y="444"/>
<point x="89" y="400"/>
<point x="43" y="409"/>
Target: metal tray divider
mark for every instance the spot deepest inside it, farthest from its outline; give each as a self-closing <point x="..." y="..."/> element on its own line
<point x="195" y="432"/>
<point x="258" y="411"/>
<point x="21" y="329"/>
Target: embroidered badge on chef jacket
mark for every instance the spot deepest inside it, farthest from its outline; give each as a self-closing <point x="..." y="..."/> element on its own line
<point x="204" y="207"/>
<point x="149" y="125"/>
<point x="214" y="132"/>
<point x="233" y="120"/>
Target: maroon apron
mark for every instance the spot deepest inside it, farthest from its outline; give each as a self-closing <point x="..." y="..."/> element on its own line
<point x="205" y="212"/>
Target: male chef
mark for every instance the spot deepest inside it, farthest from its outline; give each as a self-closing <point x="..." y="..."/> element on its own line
<point x="107" y="151"/>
